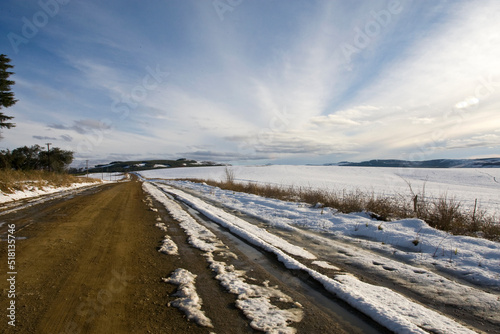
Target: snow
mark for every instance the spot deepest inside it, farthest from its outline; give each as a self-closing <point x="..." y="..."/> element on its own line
<point x="463" y="184"/>
<point x="108" y="177"/>
<point x="254" y="300"/>
<point x="389" y="308"/>
<point x="408" y="250"/>
<point x="33" y="191"/>
<point x="161" y="226"/>
<point x="267" y="317"/>
<point x="168" y="246"/>
<point x="260" y="237"/>
<point x="479" y="258"/>
<point x="326" y="265"/>
<point x="188" y="300"/>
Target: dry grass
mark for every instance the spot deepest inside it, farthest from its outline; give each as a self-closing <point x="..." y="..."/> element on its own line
<point x="12" y="180"/>
<point x="443" y="213"/>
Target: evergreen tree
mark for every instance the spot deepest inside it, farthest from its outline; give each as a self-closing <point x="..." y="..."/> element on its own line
<point x="6" y="95"/>
<point x="26" y="158"/>
<point x="56" y="160"/>
<point x="36" y="158"/>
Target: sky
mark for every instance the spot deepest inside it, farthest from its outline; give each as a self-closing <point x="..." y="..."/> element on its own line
<point x="255" y="82"/>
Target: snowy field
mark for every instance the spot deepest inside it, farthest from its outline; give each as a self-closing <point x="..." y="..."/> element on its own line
<point x="463" y="184"/>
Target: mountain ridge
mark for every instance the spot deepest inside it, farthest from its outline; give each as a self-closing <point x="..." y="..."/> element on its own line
<point x="434" y="163"/>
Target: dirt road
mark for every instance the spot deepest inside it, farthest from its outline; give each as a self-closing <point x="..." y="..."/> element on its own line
<point x="84" y="266"/>
<point x="90" y="264"/>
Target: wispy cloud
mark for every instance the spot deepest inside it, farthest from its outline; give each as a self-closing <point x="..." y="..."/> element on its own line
<point x="83" y="126"/>
<point x="486" y="140"/>
<point x="65" y="138"/>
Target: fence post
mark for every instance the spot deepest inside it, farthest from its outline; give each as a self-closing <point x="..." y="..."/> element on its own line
<point x="474" y="214"/>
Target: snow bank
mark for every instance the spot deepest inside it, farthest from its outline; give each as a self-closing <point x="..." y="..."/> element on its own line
<point x="389" y="308"/>
<point x="33" y="192"/>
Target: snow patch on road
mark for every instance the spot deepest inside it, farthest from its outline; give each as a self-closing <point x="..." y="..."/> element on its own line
<point x="161" y="226"/>
<point x="255" y="300"/>
<point x="168" y="246"/>
<point x="188" y="300"/>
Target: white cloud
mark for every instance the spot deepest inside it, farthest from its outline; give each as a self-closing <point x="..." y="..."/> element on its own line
<point x="422" y="120"/>
<point x="334" y="120"/>
<point x="354" y="117"/>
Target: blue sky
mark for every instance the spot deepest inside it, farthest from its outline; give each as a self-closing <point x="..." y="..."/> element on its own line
<point x="249" y="82"/>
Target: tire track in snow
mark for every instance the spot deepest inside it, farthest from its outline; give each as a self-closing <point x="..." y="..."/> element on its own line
<point x="255" y="301"/>
<point x="388" y="308"/>
<point x="493" y="177"/>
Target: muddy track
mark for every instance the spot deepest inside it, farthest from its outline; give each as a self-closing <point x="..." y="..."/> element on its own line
<point x="90" y="264"/>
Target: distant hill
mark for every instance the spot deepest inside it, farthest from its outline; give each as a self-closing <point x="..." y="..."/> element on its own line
<point x="133" y="166"/>
<point x="437" y="163"/>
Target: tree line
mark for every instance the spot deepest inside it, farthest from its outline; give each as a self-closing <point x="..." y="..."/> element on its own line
<point x="36" y="158"/>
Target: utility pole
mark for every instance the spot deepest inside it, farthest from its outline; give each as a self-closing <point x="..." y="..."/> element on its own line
<point x="87" y="169"/>
<point x="48" y="155"/>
